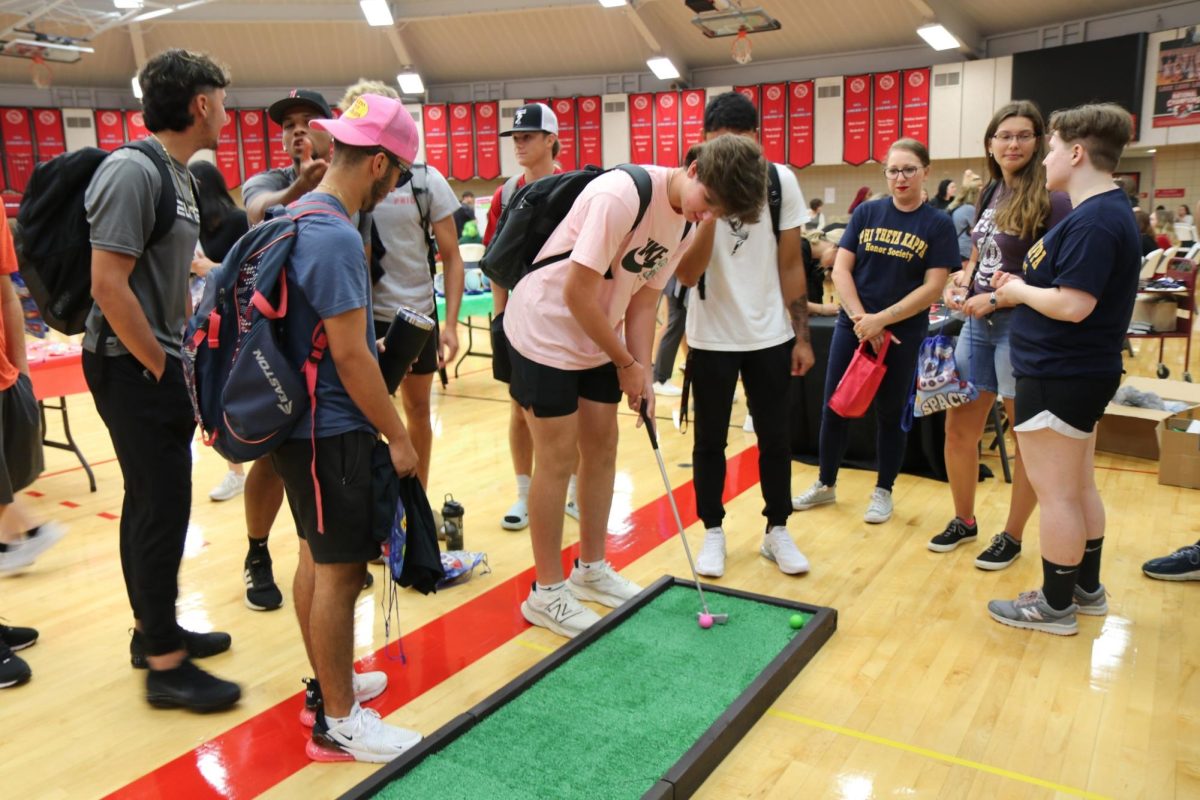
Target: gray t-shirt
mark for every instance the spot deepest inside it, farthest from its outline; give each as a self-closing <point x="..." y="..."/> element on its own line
<point x="120" y="203"/>
<point x="406" y="280"/>
<point x="276" y="180"/>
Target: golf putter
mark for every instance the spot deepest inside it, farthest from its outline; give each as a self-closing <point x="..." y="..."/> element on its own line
<point x="719" y="619"/>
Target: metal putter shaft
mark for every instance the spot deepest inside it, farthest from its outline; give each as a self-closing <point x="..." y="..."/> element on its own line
<point x="719" y="619"/>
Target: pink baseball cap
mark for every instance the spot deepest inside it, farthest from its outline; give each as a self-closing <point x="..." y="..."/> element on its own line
<point x="375" y="121"/>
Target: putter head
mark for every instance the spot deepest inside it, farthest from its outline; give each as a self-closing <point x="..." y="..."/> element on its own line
<point x="718" y="619"/>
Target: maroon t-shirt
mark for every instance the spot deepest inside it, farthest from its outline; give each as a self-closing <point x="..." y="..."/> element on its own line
<point x="1005" y="251"/>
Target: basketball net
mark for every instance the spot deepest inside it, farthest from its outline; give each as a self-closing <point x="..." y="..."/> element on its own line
<point x="40" y="73"/>
<point x="741" y="48"/>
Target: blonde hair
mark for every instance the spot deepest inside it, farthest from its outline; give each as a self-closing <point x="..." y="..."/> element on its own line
<point x="366" y="86"/>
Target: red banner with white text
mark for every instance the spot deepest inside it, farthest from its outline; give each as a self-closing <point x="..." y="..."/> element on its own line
<point x="915" y="123"/>
<point x="487" y="140"/>
<point x="227" y="154"/>
<point x="277" y="157"/>
<point x="437" y="150"/>
<point x="564" y="111"/>
<point x="691" y="119"/>
<point x="18" y="147"/>
<point x="110" y="130"/>
<point x="48" y="133"/>
<point x="751" y="93"/>
<point x="666" y="129"/>
<point x="254" y="142"/>
<point x="856" y="120"/>
<point x="885" y="118"/>
<point x="641" y="128"/>
<point x="462" y="142"/>
<point x="135" y="126"/>
<point x="800" y="123"/>
<point x="588" y="114"/>
<point x="773" y="127"/>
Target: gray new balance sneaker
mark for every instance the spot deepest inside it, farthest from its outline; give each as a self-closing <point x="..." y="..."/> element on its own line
<point x="815" y="495"/>
<point x="1031" y="611"/>
<point x="1094" y="604"/>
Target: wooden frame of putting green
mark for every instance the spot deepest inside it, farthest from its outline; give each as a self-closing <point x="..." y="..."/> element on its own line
<point x="684" y="778"/>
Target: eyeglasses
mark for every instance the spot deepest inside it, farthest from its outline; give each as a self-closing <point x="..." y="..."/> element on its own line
<point x="405" y="172"/>
<point x="1024" y="137"/>
<point x="892" y="173"/>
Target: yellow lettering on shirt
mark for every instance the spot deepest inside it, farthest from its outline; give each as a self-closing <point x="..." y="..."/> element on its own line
<point x="906" y="246"/>
<point x="1034" y="257"/>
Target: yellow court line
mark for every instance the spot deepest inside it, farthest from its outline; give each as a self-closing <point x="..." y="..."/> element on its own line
<point x="934" y="754"/>
<point x="541" y="648"/>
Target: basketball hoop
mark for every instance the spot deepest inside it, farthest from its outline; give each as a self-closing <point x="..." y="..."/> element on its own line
<point x="40" y="73"/>
<point x="741" y="47"/>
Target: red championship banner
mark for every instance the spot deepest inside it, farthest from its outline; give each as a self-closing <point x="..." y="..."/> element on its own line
<point x="227" y="154"/>
<point x="588" y="114"/>
<point x="886" y="114"/>
<point x="462" y="142"/>
<point x="691" y="118"/>
<point x="751" y="93"/>
<point x="856" y="120"/>
<point x="254" y="142"/>
<point x="135" y="126"/>
<point x="666" y="129"/>
<point x="564" y="111"/>
<point x="436" y="138"/>
<point x="487" y="140"/>
<point x="773" y="128"/>
<point x="641" y="128"/>
<point x="915" y="123"/>
<point x="18" y="147"/>
<point x="48" y="133"/>
<point x="800" y="123"/>
<point x="110" y="130"/>
<point x="277" y="157"/>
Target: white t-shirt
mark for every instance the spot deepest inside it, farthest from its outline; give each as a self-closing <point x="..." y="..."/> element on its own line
<point x="406" y="280"/>
<point x="596" y="232"/>
<point x="743" y="306"/>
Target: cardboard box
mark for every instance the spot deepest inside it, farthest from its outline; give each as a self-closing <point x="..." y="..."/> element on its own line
<point x="1133" y="431"/>
<point x="1179" y="462"/>
<point x="1159" y="312"/>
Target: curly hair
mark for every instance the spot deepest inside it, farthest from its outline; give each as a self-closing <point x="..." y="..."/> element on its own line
<point x="170" y="80"/>
<point x="365" y="86"/>
<point x="730" y="111"/>
<point x="733" y="168"/>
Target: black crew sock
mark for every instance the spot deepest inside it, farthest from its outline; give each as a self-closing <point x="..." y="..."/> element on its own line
<point x="1089" y="570"/>
<point x="258" y="548"/>
<point x="1058" y="583"/>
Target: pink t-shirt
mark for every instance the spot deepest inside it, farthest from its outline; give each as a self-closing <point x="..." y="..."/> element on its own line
<point x="596" y="233"/>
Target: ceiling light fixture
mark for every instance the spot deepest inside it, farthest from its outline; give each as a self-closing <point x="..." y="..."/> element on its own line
<point x="127" y="5"/>
<point x="377" y="13"/>
<point x="137" y="87"/>
<point x="75" y="48"/>
<point x="937" y="37"/>
<point x="410" y="82"/>
<point x="612" y="3"/>
<point x="662" y="68"/>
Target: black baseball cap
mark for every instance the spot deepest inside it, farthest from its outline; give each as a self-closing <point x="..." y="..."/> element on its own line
<point x="533" y="117"/>
<point x="299" y="97"/>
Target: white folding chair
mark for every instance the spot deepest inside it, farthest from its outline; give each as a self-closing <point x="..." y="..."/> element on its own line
<point x="1150" y="264"/>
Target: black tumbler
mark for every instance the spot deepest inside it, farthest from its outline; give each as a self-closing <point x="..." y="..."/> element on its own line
<point x="452" y="523"/>
<point x="402" y="344"/>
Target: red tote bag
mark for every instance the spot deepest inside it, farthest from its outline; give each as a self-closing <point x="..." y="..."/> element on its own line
<point x="858" y="386"/>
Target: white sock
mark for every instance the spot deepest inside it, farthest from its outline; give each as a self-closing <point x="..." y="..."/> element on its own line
<point x="522" y="487"/>
<point x="333" y="722"/>
<point x="552" y="587"/>
<point x="586" y="565"/>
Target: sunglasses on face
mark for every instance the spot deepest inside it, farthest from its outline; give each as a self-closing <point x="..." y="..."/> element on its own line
<point x="405" y="172"/>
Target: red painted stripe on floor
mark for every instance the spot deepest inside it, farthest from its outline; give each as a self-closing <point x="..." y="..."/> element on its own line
<point x="107" y="515"/>
<point x="32" y="493"/>
<point x="250" y="758"/>
<point x="68" y="504"/>
<point x="75" y="469"/>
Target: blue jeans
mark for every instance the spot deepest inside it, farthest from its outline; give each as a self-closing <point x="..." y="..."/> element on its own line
<point x="982" y="353"/>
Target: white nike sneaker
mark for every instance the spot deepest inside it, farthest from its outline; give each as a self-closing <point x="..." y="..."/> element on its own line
<point x="778" y="546"/>
<point x="230" y="487"/>
<point x="362" y="737"/>
<point x="604" y="586"/>
<point x="711" y="561"/>
<point x="558" y="610"/>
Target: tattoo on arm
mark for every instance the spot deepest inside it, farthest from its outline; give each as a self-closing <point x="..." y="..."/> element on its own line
<point x="799" y="312"/>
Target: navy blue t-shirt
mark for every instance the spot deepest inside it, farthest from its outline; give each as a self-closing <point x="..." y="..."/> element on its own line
<point x="1096" y="249"/>
<point x="892" y="251"/>
<point x="329" y="267"/>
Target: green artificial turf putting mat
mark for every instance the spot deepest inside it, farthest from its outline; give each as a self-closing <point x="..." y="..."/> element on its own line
<point x="646" y="703"/>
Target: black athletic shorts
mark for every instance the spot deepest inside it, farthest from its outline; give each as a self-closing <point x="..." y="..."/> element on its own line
<point x="20" y="439"/>
<point x="553" y="392"/>
<point x="426" y="363"/>
<point x="501" y="360"/>
<point x="1078" y="402"/>
<point x="347" y="497"/>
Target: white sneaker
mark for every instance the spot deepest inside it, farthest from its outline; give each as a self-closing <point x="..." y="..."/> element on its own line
<point x="604" y="585"/>
<point x="362" y="737"/>
<point x="517" y="517"/>
<point x="667" y="389"/>
<point x="572" y="508"/>
<point x="880" y="508"/>
<point x="711" y="561"/>
<point x="748" y="425"/>
<point x="778" y="546"/>
<point x="230" y="487"/>
<point x="815" y="495"/>
<point x="23" y="553"/>
<point x="558" y="611"/>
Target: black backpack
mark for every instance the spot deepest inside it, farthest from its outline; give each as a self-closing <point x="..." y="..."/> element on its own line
<point x="55" y="254"/>
<point x="535" y="211"/>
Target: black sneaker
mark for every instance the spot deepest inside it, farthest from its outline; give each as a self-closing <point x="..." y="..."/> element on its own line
<point x="188" y="686"/>
<point x="261" y="592"/>
<point x="13" y="669"/>
<point x="955" y="534"/>
<point x="18" y="638"/>
<point x="368" y="581"/>
<point x="1003" y="550"/>
<point x="198" y="645"/>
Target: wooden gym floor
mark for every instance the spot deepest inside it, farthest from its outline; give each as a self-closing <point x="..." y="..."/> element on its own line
<point x="918" y="695"/>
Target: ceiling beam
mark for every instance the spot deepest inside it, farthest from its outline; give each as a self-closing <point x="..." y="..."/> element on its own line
<point x="409" y="11"/>
<point x="138" y="44"/>
<point x="33" y="17"/>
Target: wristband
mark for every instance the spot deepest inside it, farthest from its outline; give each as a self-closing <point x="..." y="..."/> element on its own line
<point x="630" y="364"/>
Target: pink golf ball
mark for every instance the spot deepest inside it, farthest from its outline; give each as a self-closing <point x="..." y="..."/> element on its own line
<point x="706" y="621"/>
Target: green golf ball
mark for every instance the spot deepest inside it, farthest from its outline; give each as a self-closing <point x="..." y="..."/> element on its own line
<point x="796" y="621"/>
